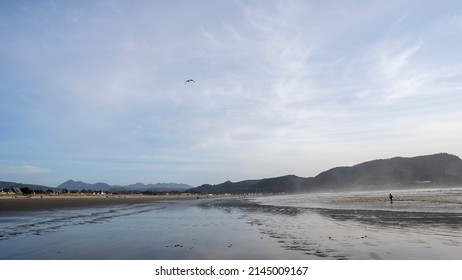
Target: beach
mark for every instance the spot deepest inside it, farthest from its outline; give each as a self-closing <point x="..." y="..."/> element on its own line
<point x="139" y="228"/>
<point x="12" y="203"/>
<point x="419" y="224"/>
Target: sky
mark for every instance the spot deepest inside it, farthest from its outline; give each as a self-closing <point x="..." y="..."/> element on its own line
<point x="95" y="90"/>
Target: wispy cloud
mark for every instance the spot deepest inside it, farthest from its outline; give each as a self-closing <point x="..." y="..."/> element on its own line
<point x="388" y="72"/>
<point x="282" y="86"/>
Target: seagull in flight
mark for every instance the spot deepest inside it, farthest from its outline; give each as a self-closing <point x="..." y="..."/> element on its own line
<point x="188" y="81"/>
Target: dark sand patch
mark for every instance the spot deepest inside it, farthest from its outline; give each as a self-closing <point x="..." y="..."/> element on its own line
<point x="47" y="203"/>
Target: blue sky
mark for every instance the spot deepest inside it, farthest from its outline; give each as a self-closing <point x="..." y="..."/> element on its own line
<point x="94" y="90"/>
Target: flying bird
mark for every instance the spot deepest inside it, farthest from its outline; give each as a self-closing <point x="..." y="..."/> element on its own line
<point x="188" y="81"/>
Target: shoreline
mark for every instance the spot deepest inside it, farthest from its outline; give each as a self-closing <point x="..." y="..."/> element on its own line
<point x="48" y="202"/>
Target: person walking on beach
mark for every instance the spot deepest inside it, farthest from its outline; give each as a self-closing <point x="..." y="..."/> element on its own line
<point x="391" y="198"/>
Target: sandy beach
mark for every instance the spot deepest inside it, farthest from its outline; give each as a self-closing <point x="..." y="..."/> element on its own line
<point x="420" y="224"/>
<point x="47" y="202"/>
<point x="151" y="228"/>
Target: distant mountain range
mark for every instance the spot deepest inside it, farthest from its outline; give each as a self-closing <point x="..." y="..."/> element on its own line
<point x="399" y="172"/>
<point x="438" y="170"/>
<point x="79" y="185"/>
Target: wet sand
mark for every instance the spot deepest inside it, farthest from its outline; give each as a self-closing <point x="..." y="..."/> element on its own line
<point x="360" y="226"/>
<point x="164" y="229"/>
<point x="46" y="203"/>
<point x="419" y="224"/>
<point x="430" y="197"/>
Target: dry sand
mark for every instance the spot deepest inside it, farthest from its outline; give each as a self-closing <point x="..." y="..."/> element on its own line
<point x="46" y="202"/>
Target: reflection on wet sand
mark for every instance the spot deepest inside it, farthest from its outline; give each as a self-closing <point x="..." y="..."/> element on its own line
<point x="419" y="225"/>
<point x="165" y="230"/>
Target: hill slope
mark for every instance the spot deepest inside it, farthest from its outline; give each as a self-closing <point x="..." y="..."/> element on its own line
<point x="431" y="170"/>
<point x="9" y="185"/>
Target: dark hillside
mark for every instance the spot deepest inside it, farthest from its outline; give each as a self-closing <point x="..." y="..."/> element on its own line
<point x="399" y="172"/>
